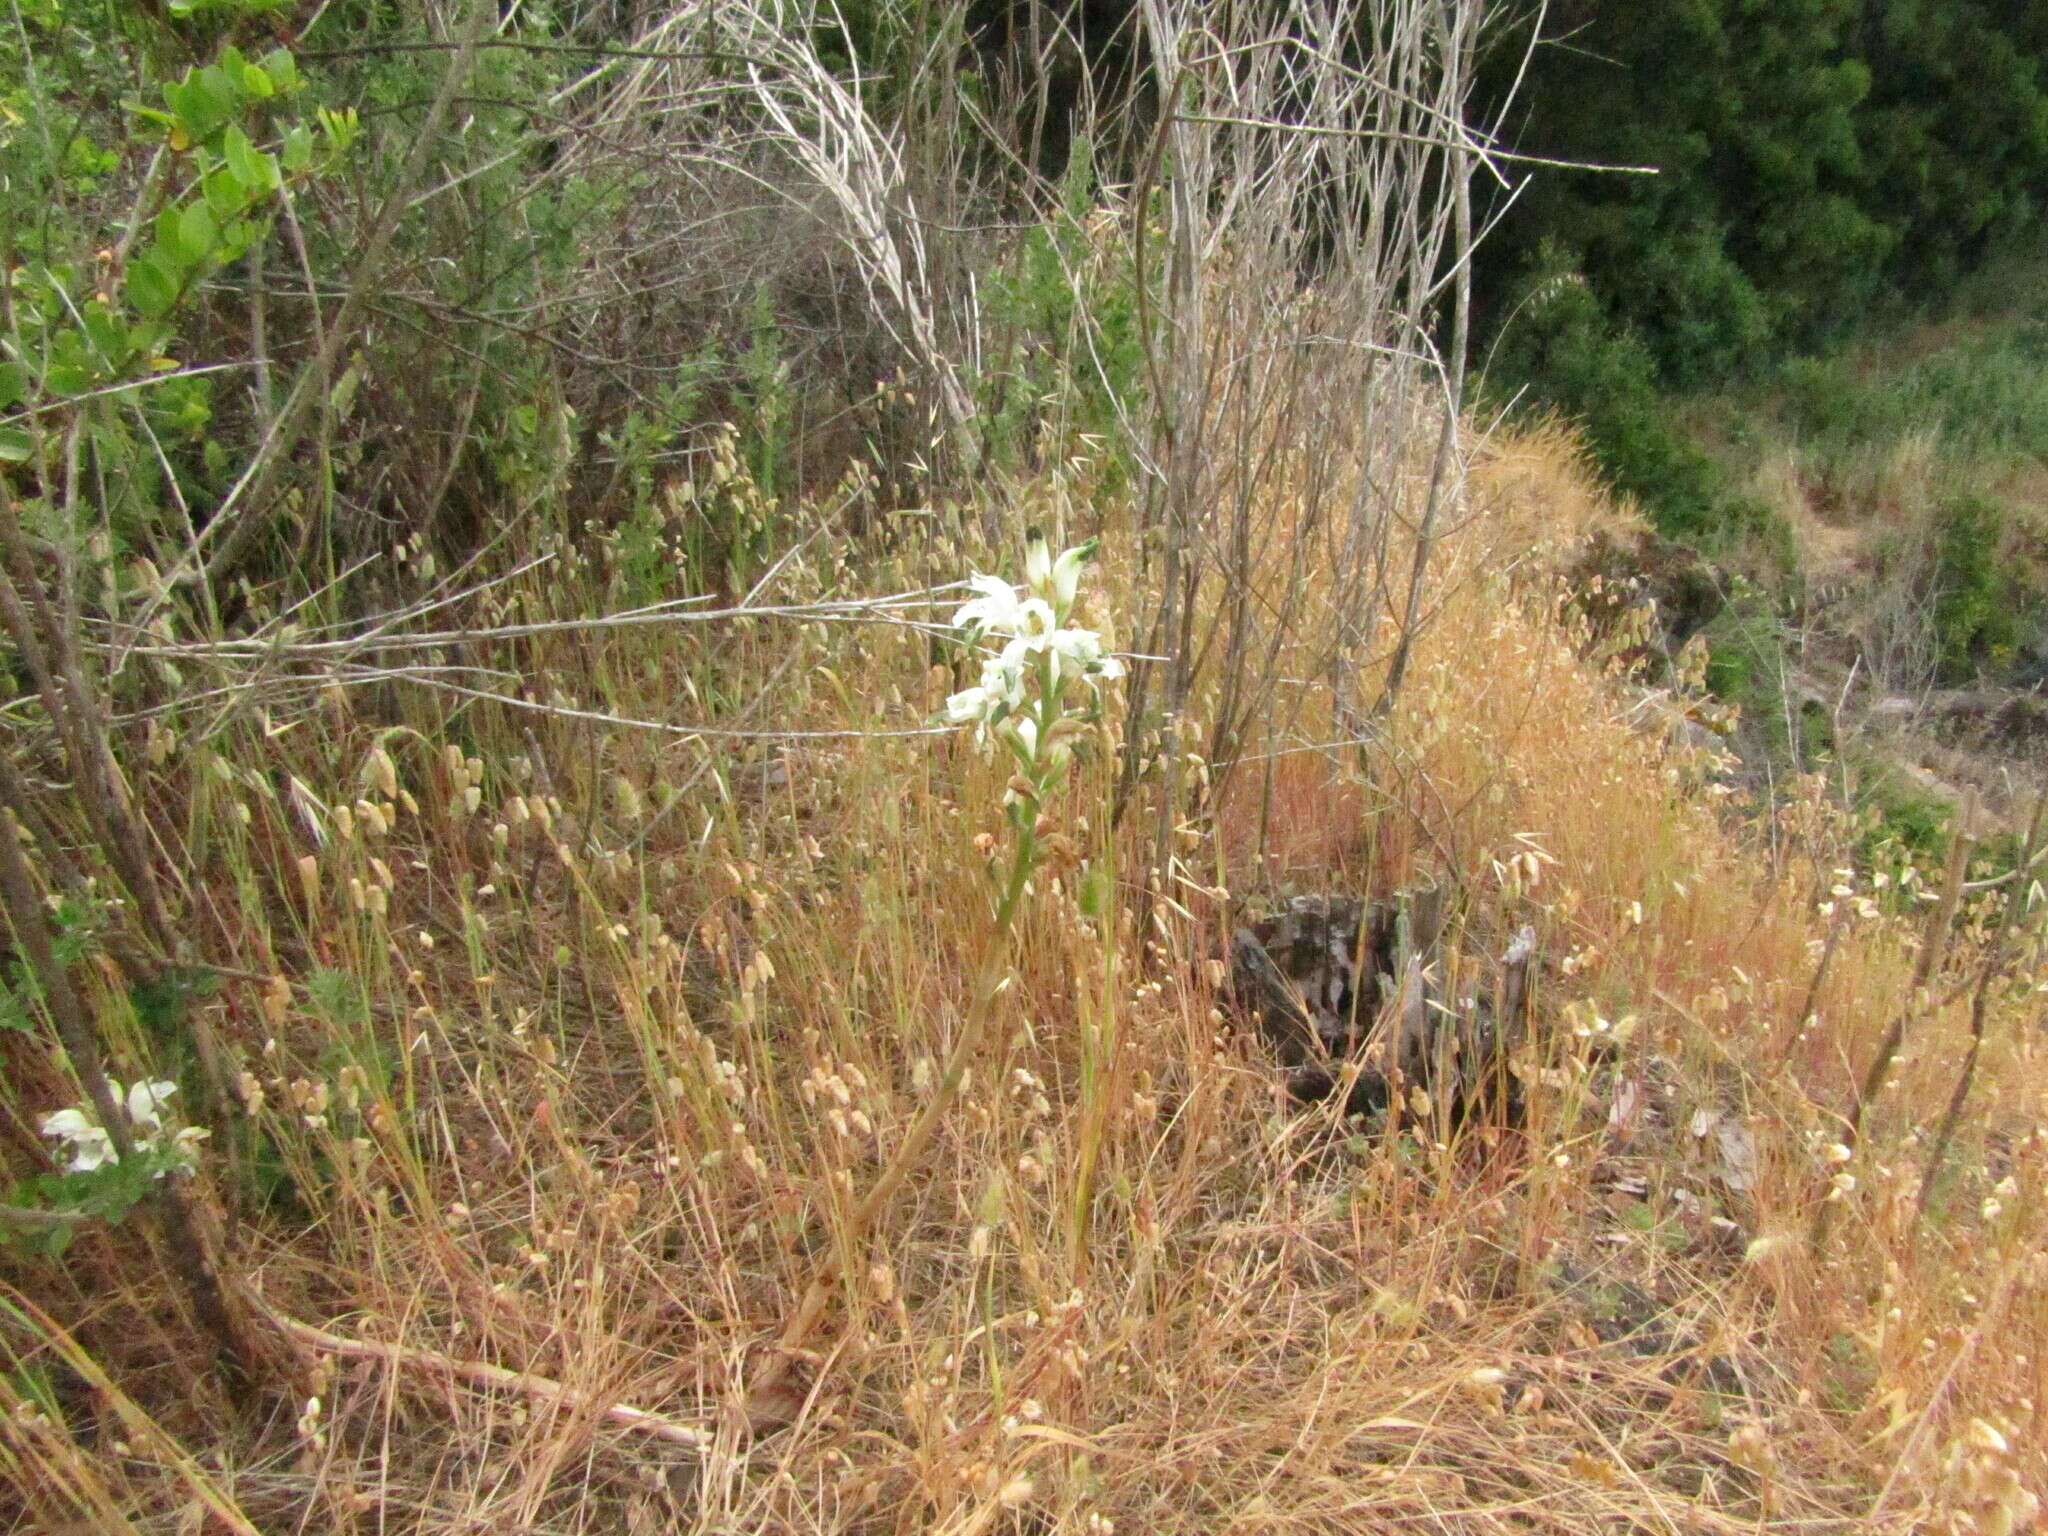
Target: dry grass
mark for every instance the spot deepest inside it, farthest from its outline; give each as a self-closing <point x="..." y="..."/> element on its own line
<point x="557" y="1056"/>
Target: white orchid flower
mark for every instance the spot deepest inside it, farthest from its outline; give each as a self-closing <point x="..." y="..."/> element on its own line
<point x="88" y="1145"/>
<point x="94" y="1150"/>
<point x="1026" y="694"/>
<point x="1004" y="610"/>
<point x="998" y="607"/>
<point x="186" y="1143"/>
<point x="1065" y="576"/>
<point x="1002" y="679"/>
<point x="1080" y="649"/>
<point x="1038" y="564"/>
<point x="967" y="706"/>
<point x="145" y="1103"/>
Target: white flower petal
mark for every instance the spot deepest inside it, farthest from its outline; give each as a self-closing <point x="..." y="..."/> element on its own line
<point x="968" y="705"/>
<point x="1066" y="574"/>
<point x="998" y="608"/>
<point x="146" y="1101"/>
<point x="71" y="1124"/>
<point x="1038" y="565"/>
<point x="1082" y="647"/>
<point x="186" y="1144"/>
<point x="88" y="1152"/>
<point x="1003" y="676"/>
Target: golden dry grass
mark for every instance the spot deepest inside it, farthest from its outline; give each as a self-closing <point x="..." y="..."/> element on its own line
<point x="582" y="1044"/>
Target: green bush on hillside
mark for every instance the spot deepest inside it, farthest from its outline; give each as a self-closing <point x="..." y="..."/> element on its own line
<point x="1574" y="359"/>
<point x="1976" y="604"/>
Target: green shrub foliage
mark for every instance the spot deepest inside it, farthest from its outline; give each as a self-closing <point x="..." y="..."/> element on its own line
<point x="1812" y="158"/>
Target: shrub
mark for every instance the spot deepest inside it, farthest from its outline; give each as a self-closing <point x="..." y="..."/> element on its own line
<point x="1976" y="601"/>
<point x="1575" y="359"/>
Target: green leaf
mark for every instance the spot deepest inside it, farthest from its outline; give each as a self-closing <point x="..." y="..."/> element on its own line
<point x="283" y="70"/>
<point x="13" y="384"/>
<point x="225" y="195"/>
<point x="223" y="101"/>
<point x="298" y="150"/>
<point x="250" y="166"/>
<point x="202" y="102"/>
<point x="166" y="226"/>
<point x="109" y="335"/>
<point x="162" y="1003"/>
<point x="15" y="448"/>
<point x="338" y="998"/>
<point x="198" y="234"/>
<point x="151" y="289"/>
<point x="256" y="83"/>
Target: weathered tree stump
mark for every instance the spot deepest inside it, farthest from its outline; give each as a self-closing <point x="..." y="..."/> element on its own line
<point x="1333" y="980"/>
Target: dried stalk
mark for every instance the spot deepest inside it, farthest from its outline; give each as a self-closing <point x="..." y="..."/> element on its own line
<point x="44" y="641"/>
<point x="479" y="1373"/>
<point x="1933" y="944"/>
<point x="1305" y="310"/>
<point x="1994" y="966"/>
<point x="810" y="1311"/>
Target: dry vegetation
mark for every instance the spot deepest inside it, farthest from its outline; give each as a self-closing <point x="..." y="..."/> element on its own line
<point x="563" y="1050"/>
<point x="587" y="954"/>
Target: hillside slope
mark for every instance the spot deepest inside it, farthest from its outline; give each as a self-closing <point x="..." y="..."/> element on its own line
<point x="567" y="1049"/>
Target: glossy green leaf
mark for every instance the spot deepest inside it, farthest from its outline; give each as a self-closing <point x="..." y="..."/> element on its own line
<point x="202" y="102"/>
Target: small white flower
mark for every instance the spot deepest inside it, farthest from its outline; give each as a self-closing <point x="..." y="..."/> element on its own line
<point x="1080" y="647"/>
<point x="89" y="1146"/>
<point x="1038" y="564"/>
<point x="93" y="1150"/>
<point x="71" y="1124"/>
<point x="967" y="706"/>
<point x="1002" y="609"/>
<point x="1002" y="678"/>
<point x="186" y="1143"/>
<point x="1065" y="579"/>
<point x="145" y="1103"/>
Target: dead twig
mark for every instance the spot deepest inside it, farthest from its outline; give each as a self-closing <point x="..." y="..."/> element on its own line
<point x="478" y="1373"/>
